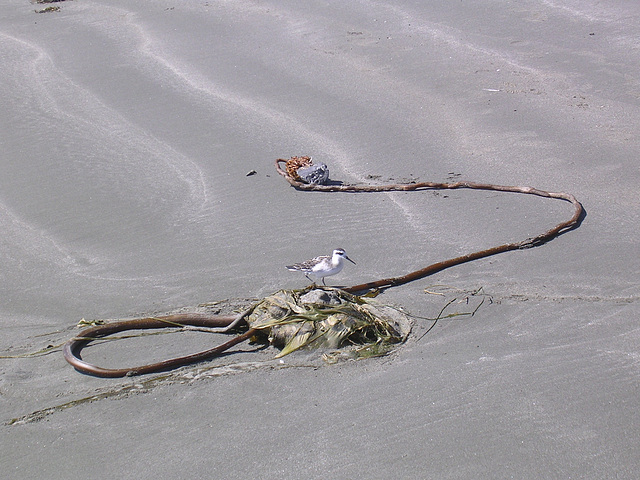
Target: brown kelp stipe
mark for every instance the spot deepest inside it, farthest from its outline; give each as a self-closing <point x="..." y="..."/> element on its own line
<point x="227" y="323"/>
<point x="544" y="237"/>
<point x="71" y="350"/>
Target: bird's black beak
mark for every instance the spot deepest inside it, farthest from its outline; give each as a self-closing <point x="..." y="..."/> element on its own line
<point x="350" y="260"/>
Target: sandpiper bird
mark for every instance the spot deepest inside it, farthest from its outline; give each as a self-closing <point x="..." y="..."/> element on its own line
<point x="322" y="266"/>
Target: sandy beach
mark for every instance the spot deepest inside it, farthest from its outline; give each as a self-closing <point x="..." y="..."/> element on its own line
<point x="128" y="130"/>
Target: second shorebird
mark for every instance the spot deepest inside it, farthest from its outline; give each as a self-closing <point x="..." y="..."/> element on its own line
<point x="323" y="266"/>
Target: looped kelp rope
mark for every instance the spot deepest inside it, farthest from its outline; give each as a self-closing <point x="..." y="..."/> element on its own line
<point x="319" y="317"/>
<point x="227" y="323"/>
<point x="544" y="237"/>
<point x="72" y="348"/>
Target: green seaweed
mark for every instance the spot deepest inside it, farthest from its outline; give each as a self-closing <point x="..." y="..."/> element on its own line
<point x="292" y="321"/>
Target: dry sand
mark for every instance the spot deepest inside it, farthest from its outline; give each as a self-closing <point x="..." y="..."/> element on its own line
<point x="127" y="131"/>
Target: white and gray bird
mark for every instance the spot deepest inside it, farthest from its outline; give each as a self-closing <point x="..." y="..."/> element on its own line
<point x="323" y="266"/>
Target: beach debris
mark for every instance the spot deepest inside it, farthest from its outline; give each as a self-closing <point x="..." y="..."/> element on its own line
<point x="251" y="172"/>
<point x="561" y="228"/>
<point x="329" y="319"/>
<point x="304" y="170"/>
<point x="294" y="163"/>
<point x="89" y="323"/>
<point x="316" y="174"/>
<point x="48" y="9"/>
<point x="343" y="325"/>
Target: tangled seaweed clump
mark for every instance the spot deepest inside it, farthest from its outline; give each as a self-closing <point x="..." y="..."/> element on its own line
<point x="328" y="318"/>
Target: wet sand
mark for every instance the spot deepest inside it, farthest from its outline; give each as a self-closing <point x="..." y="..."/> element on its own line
<point x="127" y="132"/>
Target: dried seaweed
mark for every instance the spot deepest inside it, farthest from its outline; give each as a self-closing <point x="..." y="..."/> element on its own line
<point x="327" y="318"/>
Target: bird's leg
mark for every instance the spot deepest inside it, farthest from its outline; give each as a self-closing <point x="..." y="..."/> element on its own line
<point x="323" y="282"/>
